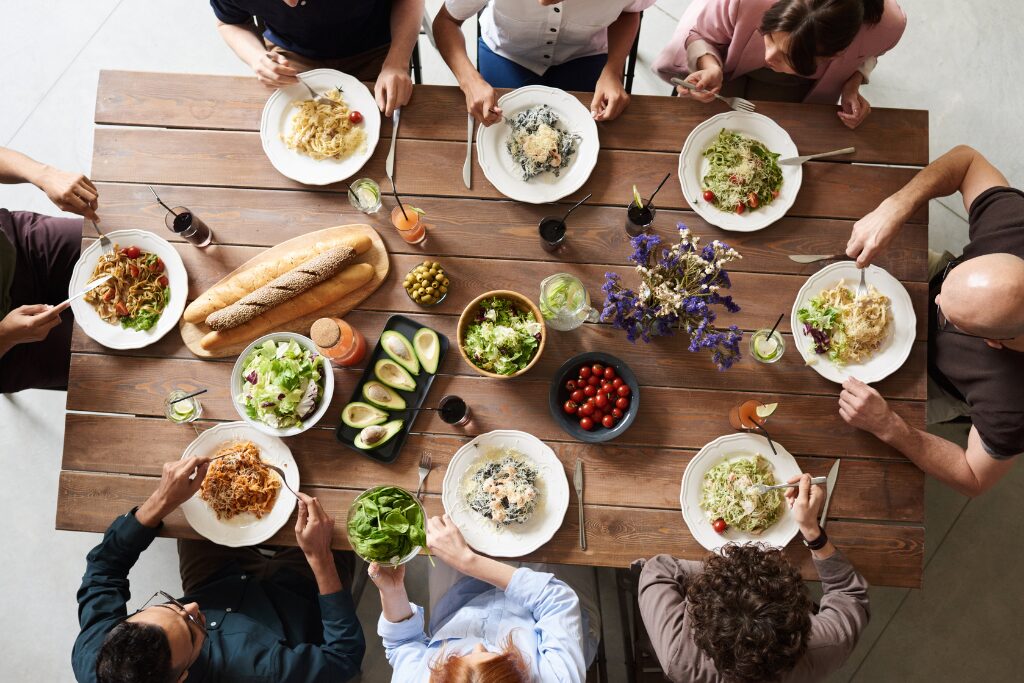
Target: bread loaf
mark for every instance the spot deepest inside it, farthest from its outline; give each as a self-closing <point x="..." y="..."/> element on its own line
<point x="251" y="279"/>
<point x="323" y="294"/>
<point x="281" y="289"/>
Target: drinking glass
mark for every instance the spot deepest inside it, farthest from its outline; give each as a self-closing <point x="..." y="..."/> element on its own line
<point x="182" y="221"/>
<point x="182" y="412"/>
<point x="639" y="219"/>
<point x="409" y="225"/>
<point x="565" y="303"/>
<point x="767" y="348"/>
<point x="552" y="233"/>
<point x="364" y="195"/>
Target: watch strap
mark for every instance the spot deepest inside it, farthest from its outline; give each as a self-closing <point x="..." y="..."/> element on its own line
<point x="819" y="542"/>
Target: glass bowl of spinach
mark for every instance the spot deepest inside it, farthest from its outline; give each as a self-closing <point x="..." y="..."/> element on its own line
<point x="386" y="524"/>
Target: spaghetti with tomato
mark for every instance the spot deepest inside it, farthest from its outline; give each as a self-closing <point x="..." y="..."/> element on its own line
<point x="137" y="292"/>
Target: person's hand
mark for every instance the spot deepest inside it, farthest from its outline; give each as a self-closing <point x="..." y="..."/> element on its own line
<point x="853" y="108"/>
<point x="26" y="324"/>
<point x="274" y="70"/>
<point x="864" y="408"/>
<point x="445" y="540"/>
<point x="386" y="578"/>
<point x="873" y="233"/>
<point x="481" y="101"/>
<point x="393" y="89"/>
<point x="72" y="192"/>
<point x="806" y="502"/>
<point x="179" y="481"/>
<point x="313" y="528"/>
<point x="610" y="97"/>
<point x="708" y="80"/>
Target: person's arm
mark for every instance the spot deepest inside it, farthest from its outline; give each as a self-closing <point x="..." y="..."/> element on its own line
<point x="960" y="169"/>
<point x="272" y="70"/>
<point x="72" y="192"/>
<point x="610" y="96"/>
<point x="853" y="108"/>
<point x="481" y="101"/>
<point x="662" y="600"/>
<point x="971" y="472"/>
<point x="401" y="623"/>
<point x="394" y="86"/>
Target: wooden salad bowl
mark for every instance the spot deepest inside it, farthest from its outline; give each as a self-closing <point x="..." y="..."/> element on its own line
<point x="523" y="304"/>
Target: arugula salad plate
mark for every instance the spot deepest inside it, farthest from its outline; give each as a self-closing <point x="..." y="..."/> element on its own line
<point x="552" y="497"/>
<point x="244" y="529"/>
<point x="729" y="448"/>
<point x="693" y="166"/>
<point x="502" y="169"/>
<point x="895" y="346"/>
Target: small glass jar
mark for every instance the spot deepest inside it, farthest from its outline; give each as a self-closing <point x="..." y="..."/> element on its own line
<point x="364" y="195"/>
<point x="182" y="412"/>
<point x="767" y="348"/>
<point x="338" y="341"/>
<point x="639" y="219"/>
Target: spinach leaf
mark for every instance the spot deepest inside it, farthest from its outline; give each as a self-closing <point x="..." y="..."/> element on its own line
<point x="385" y="525"/>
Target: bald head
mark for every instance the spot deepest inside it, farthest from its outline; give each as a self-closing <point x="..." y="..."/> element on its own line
<point x="985" y="296"/>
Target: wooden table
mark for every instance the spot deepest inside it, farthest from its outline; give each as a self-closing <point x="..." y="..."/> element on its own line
<point x="194" y="138"/>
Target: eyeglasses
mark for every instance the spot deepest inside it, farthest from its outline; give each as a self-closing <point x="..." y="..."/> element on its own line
<point x="944" y="324"/>
<point x="178" y="608"/>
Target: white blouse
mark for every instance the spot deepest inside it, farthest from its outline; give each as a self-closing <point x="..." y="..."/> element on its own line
<point x="536" y="36"/>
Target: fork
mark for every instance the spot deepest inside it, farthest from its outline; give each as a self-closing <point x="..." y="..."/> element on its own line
<point x="762" y="489"/>
<point x="105" y="244"/>
<point x="284" y="480"/>
<point x="424" y="471"/>
<point x="737" y="103"/>
<point x="862" y="286"/>
<point x="319" y="98"/>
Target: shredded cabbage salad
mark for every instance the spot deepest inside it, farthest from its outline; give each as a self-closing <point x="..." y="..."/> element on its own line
<point x="727" y="493"/>
<point x="740" y="166"/>
<point x="502" y="339"/>
<point x="281" y="383"/>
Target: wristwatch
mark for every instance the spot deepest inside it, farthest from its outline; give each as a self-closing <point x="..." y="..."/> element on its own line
<point x="819" y="542"/>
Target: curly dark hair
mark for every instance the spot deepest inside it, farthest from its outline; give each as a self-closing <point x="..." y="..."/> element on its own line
<point x="135" y="653"/>
<point x="751" y="613"/>
<point x="819" y="28"/>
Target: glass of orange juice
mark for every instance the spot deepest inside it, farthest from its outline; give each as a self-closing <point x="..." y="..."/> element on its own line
<point x="751" y="416"/>
<point x="409" y="224"/>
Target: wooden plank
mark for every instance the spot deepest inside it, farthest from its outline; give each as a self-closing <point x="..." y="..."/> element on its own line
<point x="265" y="218"/>
<point x="677" y="368"/>
<point x="98" y="442"/>
<point x="236" y="159"/>
<point x="885" y="554"/>
<point x="680" y="418"/>
<point x="651" y="123"/>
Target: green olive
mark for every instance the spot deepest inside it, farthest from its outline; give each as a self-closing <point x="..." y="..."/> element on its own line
<point x="442" y="289"/>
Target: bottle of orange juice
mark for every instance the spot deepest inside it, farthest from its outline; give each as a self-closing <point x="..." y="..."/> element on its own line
<point x="337" y="340"/>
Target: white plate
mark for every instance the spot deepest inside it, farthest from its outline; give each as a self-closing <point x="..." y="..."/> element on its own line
<point x="732" y="447"/>
<point x="693" y="166"/>
<point x="244" y="529"/>
<point x="276" y="121"/>
<point x="518" y="539"/>
<point x="115" y="336"/>
<point x="323" y="402"/>
<point x="899" y="339"/>
<point x="502" y="171"/>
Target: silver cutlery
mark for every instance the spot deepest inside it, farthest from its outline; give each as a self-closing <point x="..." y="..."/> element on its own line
<point x="762" y="489"/>
<point x="577" y="481"/>
<point x="737" y="103"/>
<point x="797" y="161"/>
<point x="284" y="480"/>
<point x="862" y="286"/>
<point x="424" y="471"/>
<point x="811" y="258"/>
<point x="833" y="475"/>
<point x="389" y="165"/>
<point x="105" y="244"/>
<point x="319" y="98"/>
<point x="85" y="290"/>
<point x="467" y="168"/>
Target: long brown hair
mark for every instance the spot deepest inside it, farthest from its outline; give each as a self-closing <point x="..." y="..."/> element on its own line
<point x="510" y="666"/>
<point x="819" y="28"/>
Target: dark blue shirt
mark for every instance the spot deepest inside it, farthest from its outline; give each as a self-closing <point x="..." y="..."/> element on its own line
<point x="275" y="630"/>
<point x="320" y="29"/>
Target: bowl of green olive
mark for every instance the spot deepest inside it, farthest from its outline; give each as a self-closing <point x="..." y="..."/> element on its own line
<point x="427" y="284"/>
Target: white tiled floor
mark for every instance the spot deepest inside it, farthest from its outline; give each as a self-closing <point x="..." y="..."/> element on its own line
<point x="959" y="60"/>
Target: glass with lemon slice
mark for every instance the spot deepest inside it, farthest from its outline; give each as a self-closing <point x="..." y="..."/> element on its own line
<point x="751" y="415"/>
<point x="182" y="412"/>
<point x="639" y="215"/>
<point x="767" y="346"/>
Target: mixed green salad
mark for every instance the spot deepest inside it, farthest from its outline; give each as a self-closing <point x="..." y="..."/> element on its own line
<point x="281" y="383"/>
<point x="385" y="525"/>
<point x="823" y="322"/>
<point x="727" y="493"/>
<point x="502" y="339"/>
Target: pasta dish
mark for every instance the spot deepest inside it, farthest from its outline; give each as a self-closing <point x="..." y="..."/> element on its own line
<point x="742" y="173"/>
<point x="728" y="493"/>
<point x="537" y="144"/>
<point x="326" y="131"/>
<point x="504" y="489"/>
<point x="239" y="482"/>
<point x="137" y="292"/>
<point x="847" y="328"/>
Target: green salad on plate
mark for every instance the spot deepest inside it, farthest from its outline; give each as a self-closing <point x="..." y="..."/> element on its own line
<point x="282" y="383"/>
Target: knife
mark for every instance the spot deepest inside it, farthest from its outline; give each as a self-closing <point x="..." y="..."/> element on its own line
<point x="85" y="290"/>
<point x="798" y="161"/>
<point x="811" y="258"/>
<point x="577" y="481"/>
<point x="833" y="474"/>
<point x="467" y="168"/>
<point x="389" y="165"/>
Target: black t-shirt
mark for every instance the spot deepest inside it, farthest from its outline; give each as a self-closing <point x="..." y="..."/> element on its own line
<point x="320" y="29"/>
<point x="990" y="381"/>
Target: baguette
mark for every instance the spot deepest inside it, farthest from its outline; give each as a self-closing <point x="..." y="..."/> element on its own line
<point x="281" y="289"/>
<point x="251" y="279"/>
<point x="324" y="294"/>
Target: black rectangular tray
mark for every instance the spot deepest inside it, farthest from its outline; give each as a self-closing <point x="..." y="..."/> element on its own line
<point x="388" y="453"/>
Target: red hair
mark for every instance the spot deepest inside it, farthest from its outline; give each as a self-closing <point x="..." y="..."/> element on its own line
<point x="508" y="667"/>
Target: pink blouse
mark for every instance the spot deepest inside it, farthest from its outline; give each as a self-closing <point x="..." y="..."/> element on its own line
<point x="730" y="28"/>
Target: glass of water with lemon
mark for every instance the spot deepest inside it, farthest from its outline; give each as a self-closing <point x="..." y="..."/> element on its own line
<point x="182" y="412"/>
<point x="767" y="346"/>
<point x="364" y="195"/>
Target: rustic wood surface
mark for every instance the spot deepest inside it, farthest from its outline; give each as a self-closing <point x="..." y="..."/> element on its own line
<point x="194" y="139"/>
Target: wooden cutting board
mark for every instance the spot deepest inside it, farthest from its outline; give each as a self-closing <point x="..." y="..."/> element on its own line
<point x="376" y="256"/>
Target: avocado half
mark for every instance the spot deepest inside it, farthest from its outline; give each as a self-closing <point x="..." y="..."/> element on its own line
<point x="394" y="375"/>
<point x="428" y="348"/>
<point x="375" y="436"/>
<point x="382" y="396"/>
<point x="358" y="414"/>
<point x="398" y="347"/>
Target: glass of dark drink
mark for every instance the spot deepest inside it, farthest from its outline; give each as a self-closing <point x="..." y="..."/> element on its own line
<point x="552" y="233"/>
<point x="182" y="221"/>
<point x="453" y="410"/>
<point x="639" y="218"/>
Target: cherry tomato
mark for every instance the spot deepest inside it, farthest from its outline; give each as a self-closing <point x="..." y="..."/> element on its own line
<point x="623" y="390"/>
<point x="156" y="266"/>
<point x="719" y="525"/>
<point x="586" y="410"/>
<point x="576" y="396"/>
<point x="131" y="252"/>
<point x="622" y="403"/>
<point x="609" y="373"/>
<point x="601" y="401"/>
<point x="597" y="369"/>
<point x="121" y="309"/>
<point x="598" y="416"/>
<point x="734" y="180"/>
<point x="709" y="196"/>
<point x="584" y="372"/>
<point x="752" y="200"/>
<point x="608" y="421"/>
<point x="570" y="407"/>
<point x="586" y="423"/>
<point x="775" y="194"/>
<point x="109" y="295"/>
<point x="589" y="391"/>
<point x="617" y="413"/>
<point x="617" y="382"/>
<point x="590" y="401"/>
<point x="133" y="269"/>
<point x="740" y="208"/>
<point x="355" y="117"/>
<point x="606" y="386"/>
<point x="162" y="281"/>
<point x="570" y="386"/>
<point x="594" y="381"/>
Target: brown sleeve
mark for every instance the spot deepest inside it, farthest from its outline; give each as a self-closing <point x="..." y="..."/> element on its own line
<point x="841" y="618"/>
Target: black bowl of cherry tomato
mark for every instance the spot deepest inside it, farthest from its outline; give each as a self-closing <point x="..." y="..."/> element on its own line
<point x="594" y="397"/>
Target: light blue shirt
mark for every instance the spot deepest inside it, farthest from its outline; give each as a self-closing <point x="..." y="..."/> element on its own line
<point x="540" y="612"/>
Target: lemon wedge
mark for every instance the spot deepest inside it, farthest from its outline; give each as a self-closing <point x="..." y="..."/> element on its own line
<point x="765" y="411"/>
<point x="637" y="198"/>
